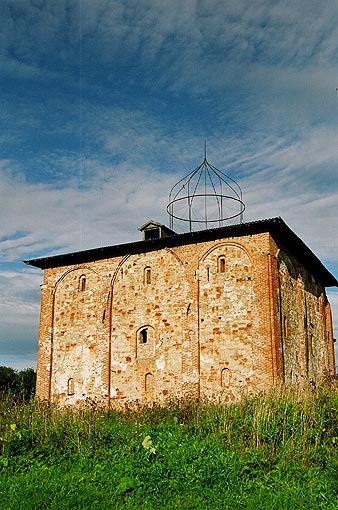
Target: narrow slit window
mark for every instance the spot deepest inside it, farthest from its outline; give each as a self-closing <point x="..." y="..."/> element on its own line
<point x="147" y="275"/>
<point x="82" y="283"/>
<point x="70" y="387"/>
<point x="221" y="264"/>
<point x="285" y="327"/>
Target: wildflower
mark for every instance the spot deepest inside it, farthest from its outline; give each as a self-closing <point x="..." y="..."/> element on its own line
<point x="148" y="444"/>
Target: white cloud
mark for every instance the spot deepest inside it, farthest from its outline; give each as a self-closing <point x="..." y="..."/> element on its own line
<point x="105" y="211"/>
<point x="180" y="38"/>
<point x="18" y="362"/>
<point x="19" y="316"/>
<point x="19" y="296"/>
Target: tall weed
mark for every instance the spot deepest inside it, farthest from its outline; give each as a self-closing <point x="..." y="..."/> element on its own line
<point x="192" y="453"/>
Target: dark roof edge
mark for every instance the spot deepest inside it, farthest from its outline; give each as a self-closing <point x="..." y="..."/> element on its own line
<point x="280" y="231"/>
<point x="288" y="241"/>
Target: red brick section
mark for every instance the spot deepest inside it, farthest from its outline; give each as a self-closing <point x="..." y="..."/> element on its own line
<point x="173" y="322"/>
<point x="45" y="341"/>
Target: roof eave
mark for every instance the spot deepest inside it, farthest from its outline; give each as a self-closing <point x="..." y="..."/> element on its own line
<point x="280" y="231"/>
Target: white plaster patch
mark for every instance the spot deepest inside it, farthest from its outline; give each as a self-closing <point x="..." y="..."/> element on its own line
<point x="207" y="359"/>
<point x="122" y="366"/>
<point x="160" y="363"/>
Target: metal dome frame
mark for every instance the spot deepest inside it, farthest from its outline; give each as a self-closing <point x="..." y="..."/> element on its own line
<point x="216" y="186"/>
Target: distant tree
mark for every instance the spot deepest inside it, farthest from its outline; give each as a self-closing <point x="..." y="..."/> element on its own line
<point x="8" y="380"/>
<point x="26" y="380"/>
<point x="20" y="384"/>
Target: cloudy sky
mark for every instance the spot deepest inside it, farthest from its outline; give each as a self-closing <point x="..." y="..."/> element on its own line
<point x="105" y="104"/>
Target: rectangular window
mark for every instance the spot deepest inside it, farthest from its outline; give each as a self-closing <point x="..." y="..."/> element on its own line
<point x="152" y="233"/>
<point x="147" y="275"/>
<point x="221" y="265"/>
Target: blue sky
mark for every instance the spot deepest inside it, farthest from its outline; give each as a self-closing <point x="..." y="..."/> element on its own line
<point x="106" y="104"/>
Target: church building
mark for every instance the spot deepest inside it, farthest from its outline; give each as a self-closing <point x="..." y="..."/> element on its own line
<point x="218" y="312"/>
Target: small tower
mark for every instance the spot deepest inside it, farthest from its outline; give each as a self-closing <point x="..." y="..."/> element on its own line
<point x="205" y="198"/>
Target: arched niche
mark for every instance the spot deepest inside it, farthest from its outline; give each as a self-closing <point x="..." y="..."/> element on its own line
<point x="80" y="337"/>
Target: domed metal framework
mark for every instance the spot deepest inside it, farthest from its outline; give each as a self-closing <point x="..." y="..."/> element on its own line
<point x="205" y="198"/>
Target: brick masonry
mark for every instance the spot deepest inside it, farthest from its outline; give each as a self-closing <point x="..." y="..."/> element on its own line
<point x="218" y="318"/>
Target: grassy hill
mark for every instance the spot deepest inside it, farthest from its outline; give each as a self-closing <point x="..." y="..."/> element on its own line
<point x="271" y="451"/>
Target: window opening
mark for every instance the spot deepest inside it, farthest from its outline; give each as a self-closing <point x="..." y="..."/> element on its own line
<point x="152" y="233"/>
<point x="147" y="275"/>
<point x="82" y="283"/>
<point x="70" y="387"/>
<point x="221" y="264"/>
<point x="143" y="336"/>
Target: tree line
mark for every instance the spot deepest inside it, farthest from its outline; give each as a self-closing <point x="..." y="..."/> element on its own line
<point x="17" y="383"/>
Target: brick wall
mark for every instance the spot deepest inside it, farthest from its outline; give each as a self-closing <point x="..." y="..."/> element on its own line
<point x="218" y="318"/>
<point x="306" y="328"/>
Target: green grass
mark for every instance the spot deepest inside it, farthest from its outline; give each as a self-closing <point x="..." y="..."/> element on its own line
<point x="272" y="451"/>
